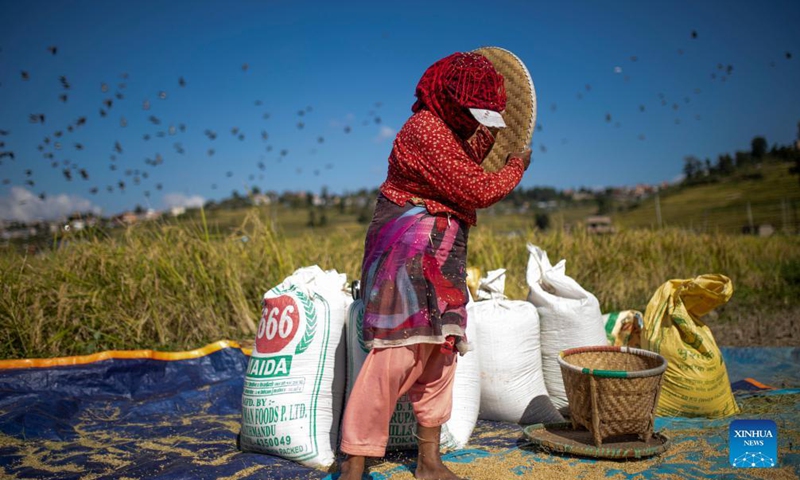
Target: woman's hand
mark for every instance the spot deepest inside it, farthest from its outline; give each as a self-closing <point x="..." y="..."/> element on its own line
<point x="524" y="155"/>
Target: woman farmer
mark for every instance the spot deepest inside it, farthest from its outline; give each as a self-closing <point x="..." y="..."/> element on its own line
<point x="413" y="274"/>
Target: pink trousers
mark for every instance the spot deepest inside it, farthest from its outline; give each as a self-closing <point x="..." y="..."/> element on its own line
<point x="422" y="370"/>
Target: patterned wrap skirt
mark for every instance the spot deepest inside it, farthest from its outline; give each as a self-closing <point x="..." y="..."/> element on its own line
<point x="414" y="277"/>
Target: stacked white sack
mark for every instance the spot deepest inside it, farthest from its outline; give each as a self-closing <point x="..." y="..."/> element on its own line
<point x="294" y="386"/>
<point x="466" y="393"/>
<point x="512" y="386"/>
<point x="569" y="317"/>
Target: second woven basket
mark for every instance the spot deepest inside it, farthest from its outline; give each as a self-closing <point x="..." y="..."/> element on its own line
<point x="612" y="390"/>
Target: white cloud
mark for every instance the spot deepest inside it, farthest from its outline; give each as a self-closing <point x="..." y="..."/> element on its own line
<point x="25" y="206"/>
<point x="180" y="200"/>
<point x="341" y="122"/>
<point x="385" y="133"/>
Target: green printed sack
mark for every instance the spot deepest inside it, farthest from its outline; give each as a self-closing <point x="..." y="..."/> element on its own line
<point x="624" y="329"/>
<point x="696" y="381"/>
<point x="294" y="385"/>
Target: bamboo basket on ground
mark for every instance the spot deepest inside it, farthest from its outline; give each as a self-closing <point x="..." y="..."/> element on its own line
<point x="612" y="390"/>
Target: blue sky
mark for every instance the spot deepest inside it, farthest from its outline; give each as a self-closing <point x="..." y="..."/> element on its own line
<point x="334" y="65"/>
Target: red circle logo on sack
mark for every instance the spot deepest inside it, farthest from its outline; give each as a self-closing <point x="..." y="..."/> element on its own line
<point x="278" y="326"/>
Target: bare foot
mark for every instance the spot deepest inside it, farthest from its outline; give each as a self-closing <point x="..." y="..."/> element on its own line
<point x="434" y="472"/>
<point x="429" y="460"/>
<point x="352" y="468"/>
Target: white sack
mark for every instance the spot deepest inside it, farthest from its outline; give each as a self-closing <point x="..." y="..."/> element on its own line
<point x="569" y="317"/>
<point x="512" y="385"/>
<point x="294" y="386"/>
<point x="466" y="393"/>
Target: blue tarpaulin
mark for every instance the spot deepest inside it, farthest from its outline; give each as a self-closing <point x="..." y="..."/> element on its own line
<point x="175" y="416"/>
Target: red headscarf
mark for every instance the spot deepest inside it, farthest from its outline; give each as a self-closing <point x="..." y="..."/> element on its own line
<point x="451" y="86"/>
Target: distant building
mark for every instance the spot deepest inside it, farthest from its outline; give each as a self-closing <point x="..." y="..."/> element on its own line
<point x="582" y="196"/>
<point x="762" y="230"/>
<point x="177" y="211"/>
<point x="261" y="199"/>
<point x="599" y="224"/>
<point x="127" y="218"/>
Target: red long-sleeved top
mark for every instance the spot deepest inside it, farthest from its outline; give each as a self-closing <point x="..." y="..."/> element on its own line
<point x="430" y="163"/>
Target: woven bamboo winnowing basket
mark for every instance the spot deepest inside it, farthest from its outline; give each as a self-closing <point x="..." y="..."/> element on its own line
<point x="520" y="114"/>
<point x="612" y="390"/>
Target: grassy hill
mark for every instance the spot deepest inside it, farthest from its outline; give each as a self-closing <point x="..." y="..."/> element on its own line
<point x="768" y="194"/>
<point x="758" y="195"/>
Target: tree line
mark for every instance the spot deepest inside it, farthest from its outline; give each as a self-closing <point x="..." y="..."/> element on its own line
<point x="698" y="171"/>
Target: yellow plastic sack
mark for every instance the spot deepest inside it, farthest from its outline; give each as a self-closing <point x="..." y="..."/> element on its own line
<point x="696" y="381"/>
<point x="473" y="281"/>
